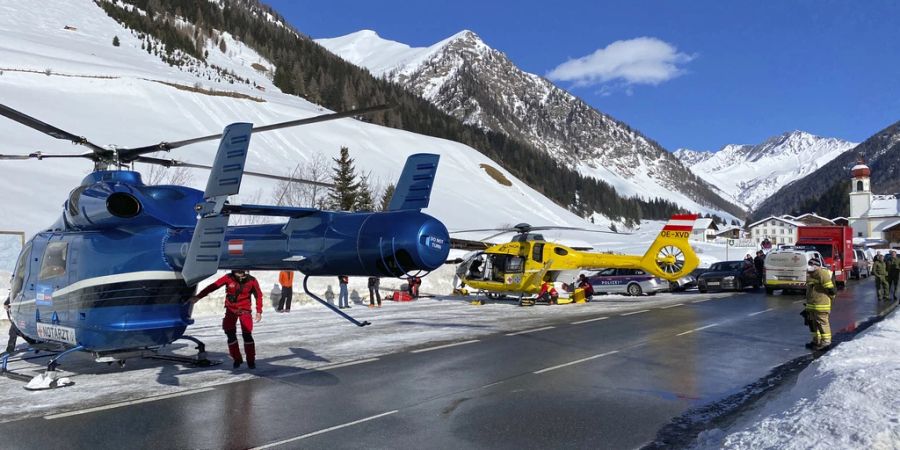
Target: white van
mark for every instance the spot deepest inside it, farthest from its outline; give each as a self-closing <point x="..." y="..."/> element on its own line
<point x="786" y="269"/>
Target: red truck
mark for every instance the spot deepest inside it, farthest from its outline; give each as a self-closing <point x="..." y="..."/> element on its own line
<point x="835" y="243"/>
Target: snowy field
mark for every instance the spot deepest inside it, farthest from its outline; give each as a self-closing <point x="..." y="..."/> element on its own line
<point x="77" y="81"/>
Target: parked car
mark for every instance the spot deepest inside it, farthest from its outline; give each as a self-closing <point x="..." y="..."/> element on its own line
<point x="727" y="276"/>
<point x="684" y="283"/>
<point x="626" y="281"/>
<point x="786" y="269"/>
<point x="862" y="264"/>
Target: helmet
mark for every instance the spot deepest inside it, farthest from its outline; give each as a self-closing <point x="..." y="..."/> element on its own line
<point x="239" y="272"/>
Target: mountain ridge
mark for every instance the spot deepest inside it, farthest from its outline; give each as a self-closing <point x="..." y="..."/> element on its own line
<point x="468" y="79"/>
<point x="825" y="191"/>
<point x="750" y="174"/>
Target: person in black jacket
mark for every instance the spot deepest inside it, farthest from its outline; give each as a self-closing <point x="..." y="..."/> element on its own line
<point x="13" y="332"/>
<point x="374" y="295"/>
<point x="760" y="264"/>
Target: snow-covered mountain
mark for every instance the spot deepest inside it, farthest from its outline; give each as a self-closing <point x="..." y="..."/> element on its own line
<point x="59" y="64"/>
<point x="466" y="78"/>
<point x="749" y="174"/>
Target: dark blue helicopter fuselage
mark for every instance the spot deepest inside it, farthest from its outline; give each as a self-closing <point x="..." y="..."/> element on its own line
<point x="107" y="276"/>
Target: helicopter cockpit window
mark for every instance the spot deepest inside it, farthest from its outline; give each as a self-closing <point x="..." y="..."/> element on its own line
<point x="537" y="253"/>
<point x="54" y="263"/>
<point x="497" y="267"/>
<point x="560" y="251"/>
<point x="515" y="264"/>
<point x="19" y="277"/>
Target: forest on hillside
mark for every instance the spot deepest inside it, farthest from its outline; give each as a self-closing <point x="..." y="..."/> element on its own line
<point x="306" y="69"/>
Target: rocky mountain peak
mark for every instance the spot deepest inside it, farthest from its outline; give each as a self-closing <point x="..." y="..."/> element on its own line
<point x="481" y="86"/>
<point x="752" y="173"/>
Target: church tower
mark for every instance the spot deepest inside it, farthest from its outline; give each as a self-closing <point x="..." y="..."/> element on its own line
<point x="860" y="198"/>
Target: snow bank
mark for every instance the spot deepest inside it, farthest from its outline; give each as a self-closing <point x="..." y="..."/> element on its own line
<point x="848" y="398"/>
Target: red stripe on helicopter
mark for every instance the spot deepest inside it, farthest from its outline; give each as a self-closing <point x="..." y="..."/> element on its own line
<point x="677" y="228"/>
<point x="236" y="247"/>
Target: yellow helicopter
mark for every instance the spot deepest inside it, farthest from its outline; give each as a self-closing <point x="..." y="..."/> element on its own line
<point x="519" y="268"/>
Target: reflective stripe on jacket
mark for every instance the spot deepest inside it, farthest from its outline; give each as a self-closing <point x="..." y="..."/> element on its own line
<point x="818" y="284"/>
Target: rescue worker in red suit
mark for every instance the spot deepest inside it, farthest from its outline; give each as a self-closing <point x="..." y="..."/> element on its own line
<point x="584" y="284"/>
<point x="548" y="293"/>
<point x="414" y="283"/>
<point x="239" y="286"/>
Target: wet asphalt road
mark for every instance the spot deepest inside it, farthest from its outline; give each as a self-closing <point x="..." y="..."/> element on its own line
<point x="607" y="383"/>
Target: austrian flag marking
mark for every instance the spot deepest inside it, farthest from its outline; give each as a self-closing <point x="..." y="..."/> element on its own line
<point x="236" y="247"/>
<point x="681" y="222"/>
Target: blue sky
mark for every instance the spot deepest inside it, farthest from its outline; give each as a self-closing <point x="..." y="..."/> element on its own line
<point x="709" y="73"/>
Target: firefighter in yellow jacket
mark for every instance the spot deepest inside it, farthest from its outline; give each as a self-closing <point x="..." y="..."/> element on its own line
<point x="819" y="294"/>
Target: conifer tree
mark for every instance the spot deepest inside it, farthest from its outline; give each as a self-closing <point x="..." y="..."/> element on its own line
<point x="115" y="41"/>
<point x="386" y="197"/>
<point x="364" y="198"/>
<point x="346" y="188"/>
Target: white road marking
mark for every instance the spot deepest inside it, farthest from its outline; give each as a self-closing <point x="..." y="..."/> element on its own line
<point x="423" y="350"/>
<point x="635" y="312"/>
<point x="316" y="433"/>
<point x="759" y="312"/>
<point x="538" y="372"/>
<point x="672" y="306"/>
<point x="696" y="329"/>
<point x="128" y="403"/>
<point x="590" y="320"/>
<point x="530" y="331"/>
<point x="324" y="368"/>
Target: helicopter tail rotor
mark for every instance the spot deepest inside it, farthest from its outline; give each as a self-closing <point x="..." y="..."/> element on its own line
<point x="670" y="256"/>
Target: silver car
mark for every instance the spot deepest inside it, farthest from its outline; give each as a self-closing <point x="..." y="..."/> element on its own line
<point x="626" y="281"/>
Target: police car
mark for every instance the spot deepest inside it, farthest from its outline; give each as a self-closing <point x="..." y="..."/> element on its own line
<point x="626" y="281"/>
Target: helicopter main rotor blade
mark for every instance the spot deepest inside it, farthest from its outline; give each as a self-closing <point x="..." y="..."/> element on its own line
<point x="483" y="229"/>
<point x="41" y="155"/>
<point x="176" y="163"/>
<point x="551" y="227"/>
<point x="48" y="129"/>
<point x="502" y="231"/>
<point x="131" y="154"/>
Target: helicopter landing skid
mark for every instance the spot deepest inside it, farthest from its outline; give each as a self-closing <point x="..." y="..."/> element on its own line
<point x="332" y="307"/>
<point x="50" y="379"/>
<point x="5" y="372"/>
<point x="199" y="361"/>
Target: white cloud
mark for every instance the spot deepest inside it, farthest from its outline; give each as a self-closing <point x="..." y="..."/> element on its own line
<point x="643" y="60"/>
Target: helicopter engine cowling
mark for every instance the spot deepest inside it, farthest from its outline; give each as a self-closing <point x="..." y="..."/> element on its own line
<point x="102" y="205"/>
<point x="108" y="199"/>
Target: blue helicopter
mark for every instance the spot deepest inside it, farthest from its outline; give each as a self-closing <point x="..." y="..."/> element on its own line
<point x="112" y="275"/>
